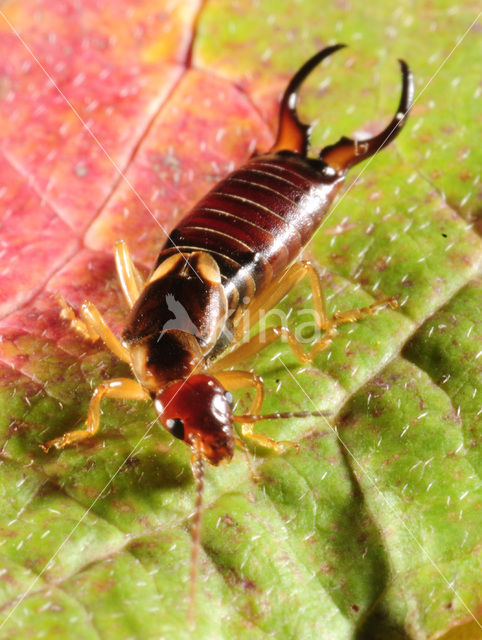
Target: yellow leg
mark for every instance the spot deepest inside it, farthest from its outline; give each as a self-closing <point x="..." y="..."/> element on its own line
<point x="130" y="279"/>
<point x="92" y="326"/>
<point x="265" y="441"/>
<point x="234" y="380"/>
<point x="125" y="388"/>
<point x="270" y="335"/>
<point x="352" y="315"/>
<point x="272" y="295"/>
<point x="276" y="291"/>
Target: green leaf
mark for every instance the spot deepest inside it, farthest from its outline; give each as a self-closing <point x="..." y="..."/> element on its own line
<point x="373" y="529"/>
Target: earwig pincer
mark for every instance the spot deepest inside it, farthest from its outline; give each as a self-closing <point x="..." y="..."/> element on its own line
<point x="232" y="257"/>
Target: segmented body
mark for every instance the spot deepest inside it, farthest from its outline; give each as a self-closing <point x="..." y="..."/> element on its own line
<point x="256" y="221"/>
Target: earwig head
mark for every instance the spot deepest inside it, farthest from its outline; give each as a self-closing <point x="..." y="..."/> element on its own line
<point x="199" y="411"/>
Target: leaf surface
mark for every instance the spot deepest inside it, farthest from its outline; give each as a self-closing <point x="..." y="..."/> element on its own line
<point x="116" y="118"/>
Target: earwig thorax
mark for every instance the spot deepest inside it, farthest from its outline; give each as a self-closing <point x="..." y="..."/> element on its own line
<point x="160" y="359"/>
<point x="176" y="320"/>
<point x="184" y="295"/>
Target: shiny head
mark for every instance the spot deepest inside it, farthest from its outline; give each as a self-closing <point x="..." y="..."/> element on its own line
<point x="198" y="410"/>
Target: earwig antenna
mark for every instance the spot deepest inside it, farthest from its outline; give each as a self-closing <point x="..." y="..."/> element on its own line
<point x="242" y="445"/>
<point x="197" y="467"/>
<point x="256" y="417"/>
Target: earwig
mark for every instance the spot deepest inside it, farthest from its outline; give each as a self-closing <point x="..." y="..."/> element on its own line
<point x="231" y="257"/>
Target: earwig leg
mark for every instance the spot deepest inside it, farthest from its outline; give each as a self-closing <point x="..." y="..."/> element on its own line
<point x="83" y="327"/>
<point x="130" y="279"/>
<point x="272" y="296"/>
<point x="234" y="380"/>
<point x="90" y="323"/>
<point x="116" y="388"/>
<point x="277" y="290"/>
<point x="352" y="315"/>
<point x="270" y="335"/>
<point x="279" y="446"/>
<point x="92" y="326"/>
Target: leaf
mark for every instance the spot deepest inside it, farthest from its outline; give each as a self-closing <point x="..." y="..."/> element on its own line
<point x="372" y="531"/>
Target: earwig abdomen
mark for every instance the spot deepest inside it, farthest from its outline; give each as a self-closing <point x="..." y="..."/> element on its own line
<point x="255" y="221"/>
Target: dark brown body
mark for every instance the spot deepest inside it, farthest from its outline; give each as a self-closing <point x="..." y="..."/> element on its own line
<point x="253" y="224"/>
<point x="257" y="220"/>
